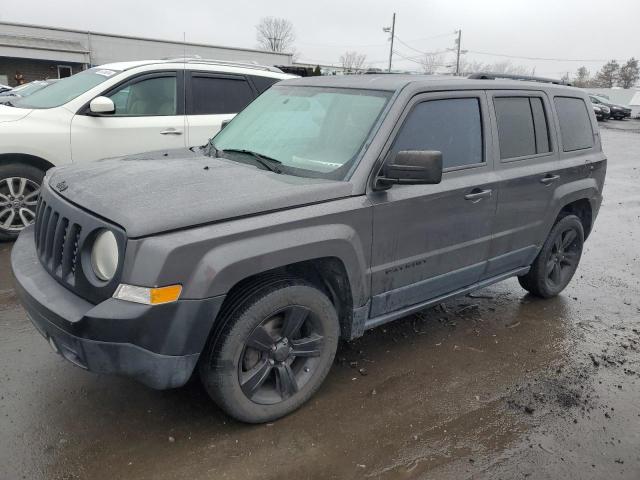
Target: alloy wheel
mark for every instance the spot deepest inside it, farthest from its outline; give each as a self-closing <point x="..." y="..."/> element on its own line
<point x="280" y="355"/>
<point x="18" y="201"/>
<point x="564" y="257"/>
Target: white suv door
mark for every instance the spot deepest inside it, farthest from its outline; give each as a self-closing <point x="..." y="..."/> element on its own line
<point x="149" y="116"/>
<point x="213" y="98"/>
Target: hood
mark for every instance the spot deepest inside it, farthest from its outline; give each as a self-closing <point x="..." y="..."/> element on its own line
<point x="161" y="191"/>
<point x="617" y="105"/>
<point x="11" y="114"/>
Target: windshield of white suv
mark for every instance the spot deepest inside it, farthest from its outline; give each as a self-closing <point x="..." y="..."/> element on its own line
<point x="307" y="131"/>
<point x="66" y="89"/>
<point x="26" y="89"/>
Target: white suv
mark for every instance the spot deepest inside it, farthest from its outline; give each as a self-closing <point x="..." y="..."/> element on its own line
<point x="112" y="110"/>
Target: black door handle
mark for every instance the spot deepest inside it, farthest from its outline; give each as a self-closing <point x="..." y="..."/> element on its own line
<point x="549" y="179"/>
<point x="477" y="194"/>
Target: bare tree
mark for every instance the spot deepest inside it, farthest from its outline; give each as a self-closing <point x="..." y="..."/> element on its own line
<point x="509" y="68"/>
<point x="467" y="67"/>
<point x="430" y="63"/>
<point x="275" y="35"/>
<point x="629" y="73"/>
<point x="353" y="62"/>
<point x="583" y="78"/>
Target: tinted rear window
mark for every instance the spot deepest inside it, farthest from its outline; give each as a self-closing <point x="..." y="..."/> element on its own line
<point x="575" y="124"/>
<point x="452" y="126"/>
<point x="522" y="126"/>
<point x="216" y="95"/>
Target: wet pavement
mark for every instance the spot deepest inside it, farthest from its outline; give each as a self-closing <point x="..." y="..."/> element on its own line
<point x="498" y="384"/>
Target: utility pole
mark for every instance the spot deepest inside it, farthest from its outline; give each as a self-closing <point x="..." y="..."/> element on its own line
<point x="459" y="41"/>
<point x="393" y="32"/>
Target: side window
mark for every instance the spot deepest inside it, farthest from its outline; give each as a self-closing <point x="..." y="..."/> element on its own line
<point x="262" y="83"/>
<point x="217" y="95"/>
<point x="154" y="96"/>
<point x="522" y="126"/>
<point x="540" y="125"/>
<point x="452" y="126"/>
<point x="575" y="123"/>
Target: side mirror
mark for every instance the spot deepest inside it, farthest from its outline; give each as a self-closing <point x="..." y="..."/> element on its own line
<point x="102" y="105"/>
<point x="412" y="167"/>
<point x="224" y="123"/>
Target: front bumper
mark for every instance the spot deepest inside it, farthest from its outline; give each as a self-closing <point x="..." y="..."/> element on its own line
<point x="619" y="113"/>
<point x="157" y="345"/>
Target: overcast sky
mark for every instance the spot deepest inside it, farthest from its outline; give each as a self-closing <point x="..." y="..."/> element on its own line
<point x="584" y="30"/>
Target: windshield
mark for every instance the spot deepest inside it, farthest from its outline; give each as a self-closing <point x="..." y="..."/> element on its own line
<point x="312" y="131"/>
<point x="65" y="90"/>
<point x="28" y="88"/>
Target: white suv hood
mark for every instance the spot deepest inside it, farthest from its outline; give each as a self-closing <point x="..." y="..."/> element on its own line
<point x="11" y="114"/>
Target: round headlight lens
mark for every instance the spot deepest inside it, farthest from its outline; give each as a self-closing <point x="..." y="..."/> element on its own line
<point x="104" y="255"/>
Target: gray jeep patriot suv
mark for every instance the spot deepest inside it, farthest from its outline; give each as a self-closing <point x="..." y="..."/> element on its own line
<point x="327" y="207"/>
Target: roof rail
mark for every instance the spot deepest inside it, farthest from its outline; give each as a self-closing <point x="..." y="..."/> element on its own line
<point x="198" y="59"/>
<point x="529" y="78"/>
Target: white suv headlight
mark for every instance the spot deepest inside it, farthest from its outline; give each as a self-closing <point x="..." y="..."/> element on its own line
<point x="104" y="255"/>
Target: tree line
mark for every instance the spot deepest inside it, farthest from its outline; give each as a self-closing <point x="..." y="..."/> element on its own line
<point x="612" y="74"/>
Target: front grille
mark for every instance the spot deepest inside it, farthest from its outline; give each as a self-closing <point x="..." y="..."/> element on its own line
<point x="57" y="239"/>
<point x="64" y="235"/>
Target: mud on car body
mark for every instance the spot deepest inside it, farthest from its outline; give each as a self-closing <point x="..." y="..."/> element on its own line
<point x="327" y="207"/>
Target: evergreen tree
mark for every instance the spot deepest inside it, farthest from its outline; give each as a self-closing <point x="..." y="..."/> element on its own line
<point x="607" y="77"/>
<point x="629" y="73"/>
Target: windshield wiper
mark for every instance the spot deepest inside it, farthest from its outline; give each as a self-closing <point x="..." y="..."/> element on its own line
<point x="269" y="163"/>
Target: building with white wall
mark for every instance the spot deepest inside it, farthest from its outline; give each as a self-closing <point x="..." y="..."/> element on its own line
<point x="33" y="52"/>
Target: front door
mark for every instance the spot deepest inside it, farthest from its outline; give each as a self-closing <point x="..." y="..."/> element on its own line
<point x="430" y="240"/>
<point x="149" y="116"/>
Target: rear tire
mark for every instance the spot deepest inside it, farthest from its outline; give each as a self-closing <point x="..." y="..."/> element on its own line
<point x="273" y="352"/>
<point x="19" y="190"/>
<point x="558" y="259"/>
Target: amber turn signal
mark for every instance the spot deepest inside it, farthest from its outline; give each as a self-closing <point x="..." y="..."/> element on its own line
<point x="148" y="296"/>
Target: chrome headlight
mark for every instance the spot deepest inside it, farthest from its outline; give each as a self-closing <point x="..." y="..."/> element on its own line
<point x="104" y="255"/>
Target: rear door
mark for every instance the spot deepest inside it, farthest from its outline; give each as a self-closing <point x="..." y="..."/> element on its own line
<point x="527" y="165"/>
<point x="430" y="240"/>
<point x="149" y="116"/>
<point x="213" y="98"/>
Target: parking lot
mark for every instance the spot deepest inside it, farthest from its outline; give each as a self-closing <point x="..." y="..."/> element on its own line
<point x="497" y="384"/>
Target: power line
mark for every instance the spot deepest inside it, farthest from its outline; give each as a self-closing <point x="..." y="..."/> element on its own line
<point x="371" y="44"/>
<point x="418" y="61"/>
<point x="419" y="57"/>
<point x="419" y="51"/>
<point x="537" y="58"/>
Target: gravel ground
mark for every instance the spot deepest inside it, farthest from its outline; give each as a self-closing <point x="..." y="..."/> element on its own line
<point x="497" y="384"/>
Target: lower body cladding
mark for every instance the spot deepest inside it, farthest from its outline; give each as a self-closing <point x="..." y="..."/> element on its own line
<point x="157" y="345"/>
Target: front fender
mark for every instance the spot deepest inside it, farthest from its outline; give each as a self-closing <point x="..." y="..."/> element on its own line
<point x="226" y="265"/>
<point x="209" y="260"/>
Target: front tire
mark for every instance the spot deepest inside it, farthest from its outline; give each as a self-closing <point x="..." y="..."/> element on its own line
<point x="19" y="190"/>
<point x="275" y="349"/>
<point x="558" y="259"/>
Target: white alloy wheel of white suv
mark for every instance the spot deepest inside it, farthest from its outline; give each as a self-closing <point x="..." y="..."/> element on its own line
<point x="113" y="110"/>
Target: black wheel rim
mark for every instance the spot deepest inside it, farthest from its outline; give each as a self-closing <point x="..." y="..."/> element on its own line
<point x="18" y="200"/>
<point x="564" y="257"/>
<point x="281" y="355"/>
